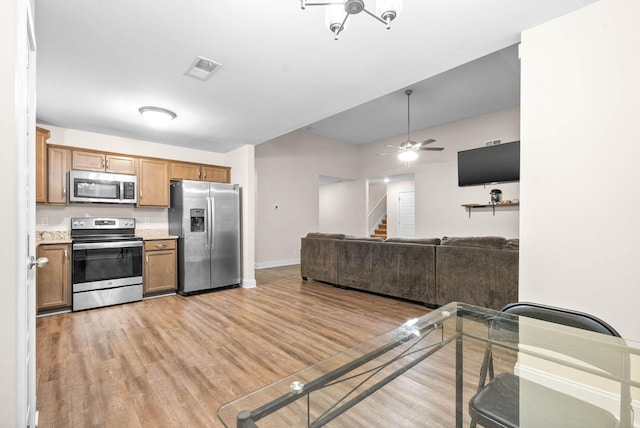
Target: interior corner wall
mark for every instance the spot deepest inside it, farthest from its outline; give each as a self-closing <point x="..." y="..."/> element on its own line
<point x="579" y="171"/>
<point x="242" y="163"/>
<point x="288" y="170"/>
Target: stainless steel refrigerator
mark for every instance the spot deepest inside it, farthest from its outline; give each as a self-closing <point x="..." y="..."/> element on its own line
<point x="206" y="218"/>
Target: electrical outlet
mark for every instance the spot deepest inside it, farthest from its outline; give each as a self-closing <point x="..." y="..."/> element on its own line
<point x="44" y="220"/>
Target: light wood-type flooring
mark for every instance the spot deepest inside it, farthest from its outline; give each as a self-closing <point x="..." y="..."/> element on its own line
<point x="173" y="361"/>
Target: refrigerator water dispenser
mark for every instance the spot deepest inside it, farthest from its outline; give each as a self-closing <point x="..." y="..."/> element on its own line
<point x="197" y="219"/>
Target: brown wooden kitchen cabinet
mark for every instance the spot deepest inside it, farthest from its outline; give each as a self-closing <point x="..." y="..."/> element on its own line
<point x="58" y="165"/>
<point x="194" y="171"/>
<point x="160" y="274"/>
<point x="42" y="135"/>
<point x="153" y="183"/>
<point x="53" y="280"/>
<point x="96" y="161"/>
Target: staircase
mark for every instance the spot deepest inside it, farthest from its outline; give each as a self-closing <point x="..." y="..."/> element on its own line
<point x="381" y="230"/>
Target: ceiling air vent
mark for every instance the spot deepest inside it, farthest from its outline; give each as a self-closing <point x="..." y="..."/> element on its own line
<point x="202" y="68"/>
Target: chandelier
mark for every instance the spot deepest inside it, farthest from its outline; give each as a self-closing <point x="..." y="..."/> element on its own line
<point x="337" y="12"/>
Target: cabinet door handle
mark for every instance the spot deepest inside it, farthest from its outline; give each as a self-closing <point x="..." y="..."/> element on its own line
<point x="161" y="246"/>
<point x="199" y="173"/>
<point x="107" y="164"/>
<point x="103" y="163"/>
<point x="65" y="256"/>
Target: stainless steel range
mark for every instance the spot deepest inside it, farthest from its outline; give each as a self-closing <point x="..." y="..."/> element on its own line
<point x="107" y="262"/>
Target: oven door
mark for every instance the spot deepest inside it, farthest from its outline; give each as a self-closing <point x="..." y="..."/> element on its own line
<point x="100" y="265"/>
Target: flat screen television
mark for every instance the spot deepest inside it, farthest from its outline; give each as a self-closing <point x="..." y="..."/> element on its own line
<point x="492" y="164"/>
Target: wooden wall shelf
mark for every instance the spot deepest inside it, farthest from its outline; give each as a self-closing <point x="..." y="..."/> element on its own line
<point x="470" y="207"/>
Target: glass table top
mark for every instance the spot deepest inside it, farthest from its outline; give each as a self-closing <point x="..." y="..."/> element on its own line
<point x="425" y="372"/>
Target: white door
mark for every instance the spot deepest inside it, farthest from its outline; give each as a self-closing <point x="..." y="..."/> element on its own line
<point x="25" y="220"/>
<point x="407" y="214"/>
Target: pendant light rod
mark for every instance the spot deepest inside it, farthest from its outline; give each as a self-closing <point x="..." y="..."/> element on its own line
<point x="408" y="92"/>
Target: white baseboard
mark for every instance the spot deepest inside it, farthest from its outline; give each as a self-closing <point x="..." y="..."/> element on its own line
<point x="277" y="263"/>
<point x="598" y="397"/>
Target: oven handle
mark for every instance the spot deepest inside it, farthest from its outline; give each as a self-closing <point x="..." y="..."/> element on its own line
<point x="100" y="245"/>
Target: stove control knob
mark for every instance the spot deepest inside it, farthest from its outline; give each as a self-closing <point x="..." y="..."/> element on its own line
<point x="76" y="223"/>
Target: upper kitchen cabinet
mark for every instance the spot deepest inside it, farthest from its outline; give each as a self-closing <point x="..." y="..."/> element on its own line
<point x="58" y="165"/>
<point x="153" y="183"/>
<point x="96" y="161"/>
<point x="42" y="135"/>
<point x="194" y="171"/>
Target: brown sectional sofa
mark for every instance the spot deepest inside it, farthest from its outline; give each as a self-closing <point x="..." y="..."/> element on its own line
<point x="480" y="271"/>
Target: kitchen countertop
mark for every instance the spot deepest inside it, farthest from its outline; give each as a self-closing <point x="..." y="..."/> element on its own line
<point x="52" y="237"/>
<point x="153" y="234"/>
<point x="62" y="237"/>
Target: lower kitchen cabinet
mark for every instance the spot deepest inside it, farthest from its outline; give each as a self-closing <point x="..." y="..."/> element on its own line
<point x="160" y="266"/>
<point x="53" y="280"/>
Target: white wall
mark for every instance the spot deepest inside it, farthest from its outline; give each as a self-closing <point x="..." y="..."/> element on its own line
<point x="580" y="156"/>
<point x="110" y="143"/>
<point x="288" y="170"/>
<point x="438" y="197"/>
<point x="339" y="211"/>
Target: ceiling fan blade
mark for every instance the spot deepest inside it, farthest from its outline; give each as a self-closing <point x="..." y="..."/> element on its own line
<point x="432" y="149"/>
<point x="392" y="146"/>
<point x="385" y="153"/>
<point x="429" y="141"/>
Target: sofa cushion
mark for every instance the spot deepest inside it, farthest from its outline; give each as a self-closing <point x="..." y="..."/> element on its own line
<point x="365" y="238"/>
<point x="428" y="241"/>
<point x="318" y="235"/>
<point x="512" y="244"/>
<point x="495" y="242"/>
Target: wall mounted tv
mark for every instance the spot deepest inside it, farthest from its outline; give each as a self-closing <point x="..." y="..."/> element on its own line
<point x="491" y="164"/>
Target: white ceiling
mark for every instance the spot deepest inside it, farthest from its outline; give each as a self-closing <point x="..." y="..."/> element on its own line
<point x="99" y="61"/>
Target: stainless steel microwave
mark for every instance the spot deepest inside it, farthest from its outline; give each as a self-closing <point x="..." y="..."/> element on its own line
<point x="102" y="187"/>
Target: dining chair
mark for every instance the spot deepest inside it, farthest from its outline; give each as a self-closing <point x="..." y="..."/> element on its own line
<point x="499" y="402"/>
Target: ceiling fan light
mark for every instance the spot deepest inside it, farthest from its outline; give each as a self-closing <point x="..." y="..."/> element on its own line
<point x="334" y="16"/>
<point x="156" y="116"/>
<point x="388" y="10"/>
<point x="408" y="155"/>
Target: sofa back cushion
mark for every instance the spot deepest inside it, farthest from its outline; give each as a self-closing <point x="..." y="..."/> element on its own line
<point x="512" y="244"/>
<point x="427" y="241"/>
<point x="495" y="242"/>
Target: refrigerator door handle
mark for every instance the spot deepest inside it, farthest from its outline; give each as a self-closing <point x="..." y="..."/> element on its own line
<point x="208" y="225"/>
<point x="212" y="219"/>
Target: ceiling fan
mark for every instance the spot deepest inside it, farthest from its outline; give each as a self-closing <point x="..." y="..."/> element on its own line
<point x="408" y="150"/>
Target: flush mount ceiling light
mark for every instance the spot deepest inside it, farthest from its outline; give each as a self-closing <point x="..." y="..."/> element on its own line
<point x="338" y="12"/>
<point x="156" y="116"/>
